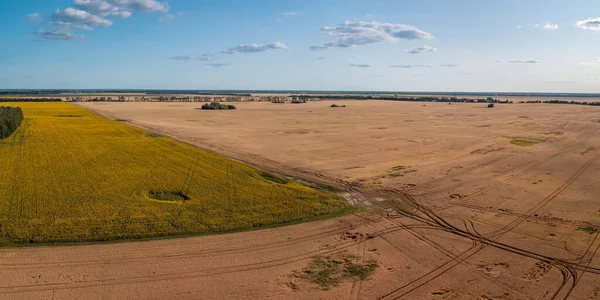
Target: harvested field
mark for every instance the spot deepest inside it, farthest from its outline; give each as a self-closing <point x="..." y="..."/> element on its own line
<point x="451" y="210"/>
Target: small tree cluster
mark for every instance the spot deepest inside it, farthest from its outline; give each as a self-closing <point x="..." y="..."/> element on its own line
<point x="217" y="106"/>
<point x="335" y="105"/>
<point x="10" y="119"/>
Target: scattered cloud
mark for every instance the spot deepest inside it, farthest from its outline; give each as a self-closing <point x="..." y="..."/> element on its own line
<point x="589" y="24"/>
<point x="355" y="33"/>
<point x="450" y="65"/>
<point x="57" y="34"/>
<point x="166" y="18"/>
<point x="139" y="5"/>
<point x="204" y="57"/>
<point x="7" y="77"/>
<point x="217" y="65"/>
<point x="290" y="13"/>
<point x="519" y="26"/>
<point x="360" y="65"/>
<point x="248" y="48"/>
<point x="88" y="14"/>
<point x="520" y="61"/>
<point x="377" y="76"/>
<point x="321" y="58"/>
<point x="33" y="16"/>
<point x="411" y="66"/>
<point x="103" y="8"/>
<point x="547" y="26"/>
<point x="466" y="73"/>
<point x="170" y="17"/>
<point x="591" y="63"/>
<point x="421" y="49"/>
<point x="253" y="48"/>
<point x="79" y="17"/>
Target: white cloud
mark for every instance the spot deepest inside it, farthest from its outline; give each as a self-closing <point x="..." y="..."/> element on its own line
<point x="520" y="61"/>
<point x="290" y="13"/>
<point x="421" y="49"/>
<point x="253" y="48"/>
<point x="101" y="8"/>
<point x="87" y="14"/>
<point x="591" y="63"/>
<point x="547" y="25"/>
<point x="141" y="5"/>
<point x="519" y="26"/>
<point x="166" y="18"/>
<point x="360" y="65"/>
<point x="76" y="16"/>
<point x="449" y="65"/>
<point x="57" y="34"/>
<point x="589" y="24"/>
<point x="321" y="58"/>
<point x="411" y="66"/>
<point x="67" y="26"/>
<point x="354" y="33"/>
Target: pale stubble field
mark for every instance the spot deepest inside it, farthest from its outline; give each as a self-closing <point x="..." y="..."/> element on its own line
<point x="487" y="218"/>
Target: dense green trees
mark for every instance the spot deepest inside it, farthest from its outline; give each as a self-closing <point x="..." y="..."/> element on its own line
<point x="10" y="119"/>
<point x="217" y="106"/>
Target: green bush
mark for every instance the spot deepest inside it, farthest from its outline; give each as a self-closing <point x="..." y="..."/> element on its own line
<point x="10" y="119"/>
<point x="217" y="106"/>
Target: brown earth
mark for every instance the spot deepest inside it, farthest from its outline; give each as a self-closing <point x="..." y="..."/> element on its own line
<point x="451" y="209"/>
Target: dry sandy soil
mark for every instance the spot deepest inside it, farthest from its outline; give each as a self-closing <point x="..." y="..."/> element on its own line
<point x="451" y="209"/>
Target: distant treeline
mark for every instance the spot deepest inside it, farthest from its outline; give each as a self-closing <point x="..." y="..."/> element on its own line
<point x="198" y="93"/>
<point x="10" y="119"/>
<point x="397" y="98"/>
<point x="563" y="102"/>
<point x="30" y="100"/>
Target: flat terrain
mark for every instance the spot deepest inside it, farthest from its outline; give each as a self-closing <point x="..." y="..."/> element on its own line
<point x="70" y="175"/>
<point x="460" y="202"/>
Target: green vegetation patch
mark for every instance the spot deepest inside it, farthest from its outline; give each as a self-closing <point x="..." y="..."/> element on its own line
<point x="218" y="106"/>
<point x="329" y="271"/>
<point x="152" y="135"/>
<point x="10" y="119"/>
<point x="335" y="105"/>
<point x="589" y="228"/>
<point x="168" y="196"/>
<point x="523" y="143"/>
<point x="273" y="178"/>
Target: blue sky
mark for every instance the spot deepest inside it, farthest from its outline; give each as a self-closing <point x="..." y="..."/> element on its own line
<point x="402" y="45"/>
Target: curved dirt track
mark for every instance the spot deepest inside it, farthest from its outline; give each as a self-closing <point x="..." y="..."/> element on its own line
<point x="472" y="224"/>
